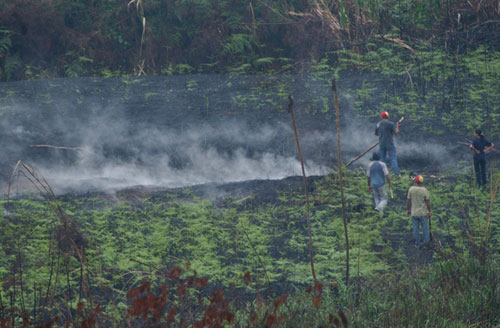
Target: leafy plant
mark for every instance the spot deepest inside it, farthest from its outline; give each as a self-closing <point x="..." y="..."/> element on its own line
<point x="78" y="66"/>
<point x="5" y="42"/>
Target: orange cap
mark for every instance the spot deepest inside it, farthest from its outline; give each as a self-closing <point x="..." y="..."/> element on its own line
<point x="419" y="179"/>
<point x="384" y="114"/>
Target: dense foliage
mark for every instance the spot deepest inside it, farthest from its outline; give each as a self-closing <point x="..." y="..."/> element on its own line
<point x="119" y="37"/>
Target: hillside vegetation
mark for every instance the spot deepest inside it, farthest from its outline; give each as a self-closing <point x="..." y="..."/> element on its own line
<point x="160" y="257"/>
<point x="118" y="37"/>
<point x="62" y="258"/>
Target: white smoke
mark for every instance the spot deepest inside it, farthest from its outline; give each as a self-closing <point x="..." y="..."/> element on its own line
<point x="111" y="145"/>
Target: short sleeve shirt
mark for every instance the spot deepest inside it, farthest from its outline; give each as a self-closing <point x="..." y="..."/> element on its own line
<point x="377" y="171"/>
<point x="418" y="196"/>
<point x="480" y="144"/>
<point x="385" y="131"/>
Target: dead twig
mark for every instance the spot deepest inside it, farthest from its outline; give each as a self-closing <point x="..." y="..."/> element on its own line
<point x="60" y="147"/>
<point x="397" y="41"/>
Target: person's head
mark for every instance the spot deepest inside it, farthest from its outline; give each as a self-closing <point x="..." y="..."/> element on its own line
<point x="419" y="180"/>
<point x="384" y="115"/>
<point x="478" y="133"/>
<point x="376" y="156"/>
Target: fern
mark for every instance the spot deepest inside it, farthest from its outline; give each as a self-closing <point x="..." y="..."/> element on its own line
<point x="5" y="42"/>
<point x="183" y="69"/>
<point x="11" y="66"/>
<point x="238" y="44"/>
<point x="73" y="69"/>
<point x="264" y="61"/>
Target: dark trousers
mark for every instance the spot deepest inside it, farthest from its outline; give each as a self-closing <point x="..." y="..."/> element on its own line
<point x="480" y="169"/>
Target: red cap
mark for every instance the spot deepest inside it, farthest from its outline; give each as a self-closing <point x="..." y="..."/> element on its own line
<point x="419" y="179"/>
<point x="384" y="115"/>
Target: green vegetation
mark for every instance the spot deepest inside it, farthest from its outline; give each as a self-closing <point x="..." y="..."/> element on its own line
<point x="116" y="259"/>
<point x="136" y="235"/>
<point x="115" y="38"/>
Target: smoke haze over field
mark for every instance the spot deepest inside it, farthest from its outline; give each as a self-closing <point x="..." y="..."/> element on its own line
<point x="170" y="137"/>
<point x="199" y="154"/>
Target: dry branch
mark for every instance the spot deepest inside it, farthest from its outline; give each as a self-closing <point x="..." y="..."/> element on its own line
<point x="397" y="41"/>
<point x="68" y="234"/>
<point x="320" y="10"/>
<point x="59" y="147"/>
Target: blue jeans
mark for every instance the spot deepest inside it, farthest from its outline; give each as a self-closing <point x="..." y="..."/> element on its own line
<point x="420" y="220"/>
<point x="391" y="151"/>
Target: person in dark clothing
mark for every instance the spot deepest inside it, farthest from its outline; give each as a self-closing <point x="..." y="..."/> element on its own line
<point x="386" y="130"/>
<point x="480" y="145"/>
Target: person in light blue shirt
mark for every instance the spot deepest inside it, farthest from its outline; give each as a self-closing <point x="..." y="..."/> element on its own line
<point x="377" y="175"/>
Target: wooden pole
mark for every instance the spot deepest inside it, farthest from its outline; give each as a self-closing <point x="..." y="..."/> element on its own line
<point x="306" y="189"/>
<point x="340" y="174"/>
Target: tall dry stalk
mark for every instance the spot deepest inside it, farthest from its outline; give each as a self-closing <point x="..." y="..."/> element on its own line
<point x="306" y="189"/>
<point x="67" y="235"/>
<point x="139" y="7"/>
<point x="341" y="181"/>
<point x="493" y="194"/>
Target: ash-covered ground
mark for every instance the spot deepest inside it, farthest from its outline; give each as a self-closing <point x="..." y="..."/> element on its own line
<point x="92" y="134"/>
